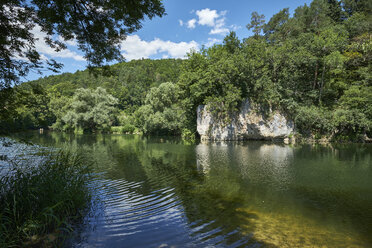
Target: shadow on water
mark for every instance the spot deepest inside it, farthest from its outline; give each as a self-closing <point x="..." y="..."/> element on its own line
<point x="160" y="192"/>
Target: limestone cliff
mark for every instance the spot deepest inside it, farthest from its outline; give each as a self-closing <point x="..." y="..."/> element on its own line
<point x="247" y="124"/>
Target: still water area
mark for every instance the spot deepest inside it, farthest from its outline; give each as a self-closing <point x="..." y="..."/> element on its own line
<point x="163" y="192"/>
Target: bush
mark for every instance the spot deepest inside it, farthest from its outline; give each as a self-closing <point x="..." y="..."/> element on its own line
<point x="128" y="128"/>
<point x="188" y="135"/>
<point x="313" y="120"/>
<point x="350" y="125"/>
<point x="341" y="124"/>
<point x="116" y="129"/>
<point x="43" y="198"/>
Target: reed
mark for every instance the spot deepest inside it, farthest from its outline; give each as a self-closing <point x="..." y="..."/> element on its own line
<point x="42" y="200"/>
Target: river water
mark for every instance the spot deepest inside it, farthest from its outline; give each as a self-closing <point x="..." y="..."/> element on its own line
<point x="162" y="192"/>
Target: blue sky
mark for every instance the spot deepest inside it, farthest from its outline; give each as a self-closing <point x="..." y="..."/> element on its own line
<point x="187" y="25"/>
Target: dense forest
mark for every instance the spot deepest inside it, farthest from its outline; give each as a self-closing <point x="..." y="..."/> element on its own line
<point x="314" y="65"/>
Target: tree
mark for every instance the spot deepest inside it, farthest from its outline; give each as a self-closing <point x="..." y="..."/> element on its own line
<point x="90" y="110"/>
<point x="257" y="23"/>
<point x="231" y="42"/>
<point x="335" y="10"/>
<point x="97" y="26"/>
<point x="276" y="23"/>
<point x="353" y="6"/>
<point x="161" y="113"/>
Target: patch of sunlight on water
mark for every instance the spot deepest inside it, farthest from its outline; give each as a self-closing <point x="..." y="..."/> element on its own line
<point x="291" y="230"/>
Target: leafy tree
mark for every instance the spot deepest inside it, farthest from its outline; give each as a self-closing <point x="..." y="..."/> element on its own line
<point x="231" y="42"/>
<point x="257" y="23"/>
<point x="161" y="113"/>
<point x="26" y="107"/>
<point x="356" y="6"/>
<point x="90" y="110"/>
<point x="212" y="78"/>
<point x="335" y="11"/>
<point x="97" y="26"/>
<point x="59" y="106"/>
<point x="276" y="25"/>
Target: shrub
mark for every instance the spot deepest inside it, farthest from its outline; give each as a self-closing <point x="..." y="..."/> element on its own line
<point x="116" y="129"/>
<point x="313" y="120"/>
<point x="350" y="125"/>
<point x="188" y="135"/>
<point x="128" y="128"/>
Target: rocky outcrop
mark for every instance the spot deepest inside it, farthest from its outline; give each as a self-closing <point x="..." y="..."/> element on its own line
<point x="247" y="124"/>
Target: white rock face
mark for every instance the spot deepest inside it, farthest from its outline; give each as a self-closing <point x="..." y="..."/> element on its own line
<point x="247" y="124"/>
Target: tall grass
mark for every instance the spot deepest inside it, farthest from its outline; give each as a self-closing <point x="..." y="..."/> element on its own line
<point x="41" y="201"/>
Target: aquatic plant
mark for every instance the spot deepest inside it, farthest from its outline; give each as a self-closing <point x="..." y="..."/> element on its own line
<point x="42" y="198"/>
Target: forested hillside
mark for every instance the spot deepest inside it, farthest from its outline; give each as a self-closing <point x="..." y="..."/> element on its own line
<point x="315" y="66"/>
<point x="42" y="103"/>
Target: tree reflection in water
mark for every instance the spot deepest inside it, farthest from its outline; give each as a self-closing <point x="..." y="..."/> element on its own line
<point x="230" y="194"/>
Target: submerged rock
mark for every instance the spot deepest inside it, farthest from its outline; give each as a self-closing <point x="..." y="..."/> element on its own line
<point x="249" y="123"/>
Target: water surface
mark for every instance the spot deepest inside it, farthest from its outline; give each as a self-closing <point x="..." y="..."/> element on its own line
<point x="161" y="192"/>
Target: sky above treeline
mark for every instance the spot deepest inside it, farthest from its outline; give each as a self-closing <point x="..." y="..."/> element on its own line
<point x="187" y="25"/>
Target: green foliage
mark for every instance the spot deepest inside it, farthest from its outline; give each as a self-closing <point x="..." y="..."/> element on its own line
<point x="129" y="81"/>
<point x="161" y="113"/>
<point x="97" y="26"/>
<point x="313" y="120"/>
<point x="358" y="98"/>
<point x="314" y="65"/>
<point x="188" y="135"/>
<point x="351" y="123"/>
<point x="42" y="199"/>
<point x="115" y="129"/>
<point x="257" y="23"/>
<point x="128" y="128"/>
<point x="343" y="124"/>
<point x="90" y="111"/>
<point x="26" y="107"/>
<point x="311" y="65"/>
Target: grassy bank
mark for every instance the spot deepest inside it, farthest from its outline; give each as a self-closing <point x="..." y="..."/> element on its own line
<point x="42" y="199"/>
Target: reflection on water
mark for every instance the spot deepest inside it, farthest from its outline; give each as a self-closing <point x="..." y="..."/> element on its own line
<point x="162" y="193"/>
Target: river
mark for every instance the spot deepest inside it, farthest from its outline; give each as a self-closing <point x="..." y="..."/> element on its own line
<point x="162" y="192"/>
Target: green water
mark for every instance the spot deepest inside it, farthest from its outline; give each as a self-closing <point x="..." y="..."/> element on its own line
<point x="162" y="192"/>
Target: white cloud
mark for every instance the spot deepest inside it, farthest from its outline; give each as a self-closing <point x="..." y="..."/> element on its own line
<point x="211" y="18"/>
<point x="191" y="23"/>
<point x="44" y="49"/>
<point x="211" y="42"/>
<point x="135" y="48"/>
<point x="223" y="12"/>
<point x="235" y="27"/>
<point x="180" y="22"/>
<point x="221" y="31"/>
<point x="207" y="17"/>
<point x="219" y="27"/>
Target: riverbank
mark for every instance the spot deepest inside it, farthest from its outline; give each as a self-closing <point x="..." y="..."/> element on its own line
<point x="43" y="194"/>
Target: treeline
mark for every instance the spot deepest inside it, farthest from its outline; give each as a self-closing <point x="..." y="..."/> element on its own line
<point x="85" y="101"/>
<point x="315" y="66"/>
